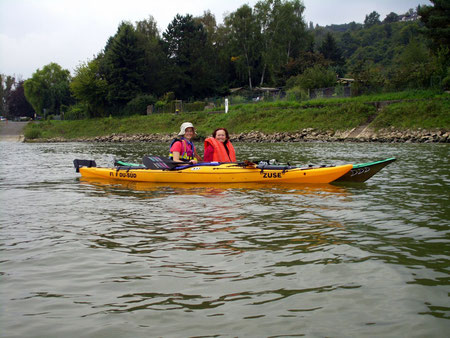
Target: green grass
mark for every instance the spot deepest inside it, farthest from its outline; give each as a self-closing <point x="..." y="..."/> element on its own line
<point x="431" y="114"/>
<point x="419" y="109"/>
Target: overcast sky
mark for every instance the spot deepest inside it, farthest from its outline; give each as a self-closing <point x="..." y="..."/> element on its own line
<point x="34" y="33"/>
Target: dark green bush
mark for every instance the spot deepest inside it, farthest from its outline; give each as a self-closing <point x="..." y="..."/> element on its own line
<point x="139" y="104"/>
<point x="76" y="112"/>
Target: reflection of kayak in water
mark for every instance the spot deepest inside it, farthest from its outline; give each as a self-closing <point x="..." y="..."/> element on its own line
<point x="213" y="173"/>
<point x="161" y="170"/>
<point x="211" y="189"/>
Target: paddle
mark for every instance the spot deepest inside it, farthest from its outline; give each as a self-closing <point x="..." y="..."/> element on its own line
<point x="163" y="163"/>
<point x="159" y="163"/>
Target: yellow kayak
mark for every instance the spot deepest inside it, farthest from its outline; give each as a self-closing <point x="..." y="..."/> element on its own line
<point x="219" y="173"/>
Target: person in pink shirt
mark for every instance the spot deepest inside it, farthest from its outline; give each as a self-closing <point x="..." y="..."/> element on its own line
<point x="182" y="148"/>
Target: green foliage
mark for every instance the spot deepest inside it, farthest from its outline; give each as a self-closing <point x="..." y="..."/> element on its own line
<point x="139" y="105"/>
<point x="437" y="22"/>
<point x="123" y="66"/>
<point x="414" y="68"/>
<point x="48" y="89"/>
<point x="330" y="50"/>
<point x="427" y="110"/>
<point x="296" y="94"/>
<point x="90" y="88"/>
<point x="190" y="58"/>
<point x="194" y="106"/>
<point x="32" y="131"/>
<point x="372" y="19"/>
<point x="266" y="44"/>
<point x="315" y="77"/>
<point x="368" y="78"/>
<point x="420" y="114"/>
<point x="78" y="111"/>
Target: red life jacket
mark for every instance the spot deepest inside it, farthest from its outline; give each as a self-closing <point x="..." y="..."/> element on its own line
<point x="220" y="153"/>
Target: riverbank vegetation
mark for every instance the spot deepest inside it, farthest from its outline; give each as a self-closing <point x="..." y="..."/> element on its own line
<point x="379" y="74"/>
<point x="412" y="109"/>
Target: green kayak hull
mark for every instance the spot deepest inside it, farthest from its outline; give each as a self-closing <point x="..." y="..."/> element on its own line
<point x="362" y="172"/>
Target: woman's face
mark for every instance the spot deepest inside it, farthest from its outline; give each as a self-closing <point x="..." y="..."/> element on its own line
<point x="189" y="133"/>
<point x="221" y="136"/>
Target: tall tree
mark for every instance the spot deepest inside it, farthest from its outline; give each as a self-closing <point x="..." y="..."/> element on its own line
<point x="48" y="89"/>
<point x="330" y="50"/>
<point x="437" y="22"/>
<point x="187" y="48"/>
<point x="89" y="87"/>
<point x="244" y="34"/>
<point x="391" y="17"/>
<point x="282" y="30"/>
<point x="6" y="86"/>
<point x="372" y="19"/>
<point x="18" y="104"/>
<point x="123" y="66"/>
<point x="155" y="59"/>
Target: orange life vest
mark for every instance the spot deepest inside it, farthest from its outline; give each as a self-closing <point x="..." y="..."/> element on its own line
<point x="220" y="153"/>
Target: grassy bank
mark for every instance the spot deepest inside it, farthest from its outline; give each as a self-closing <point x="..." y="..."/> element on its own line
<point x="411" y="110"/>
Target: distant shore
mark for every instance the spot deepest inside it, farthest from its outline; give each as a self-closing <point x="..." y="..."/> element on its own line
<point x="306" y="135"/>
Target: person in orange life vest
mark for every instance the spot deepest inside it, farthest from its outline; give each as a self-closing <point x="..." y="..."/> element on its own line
<point x="219" y="148"/>
<point x="182" y="148"/>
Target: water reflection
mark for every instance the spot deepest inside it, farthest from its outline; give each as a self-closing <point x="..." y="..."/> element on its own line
<point x="214" y="188"/>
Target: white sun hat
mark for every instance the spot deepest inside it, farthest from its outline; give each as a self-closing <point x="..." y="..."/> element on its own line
<point x="184" y="126"/>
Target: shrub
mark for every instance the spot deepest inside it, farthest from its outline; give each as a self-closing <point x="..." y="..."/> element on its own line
<point x="32" y="131"/>
<point x="314" y="77"/>
<point x="194" y="106"/>
<point x="76" y="112"/>
<point x="296" y="94"/>
<point x="237" y="99"/>
<point x="139" y="104"/>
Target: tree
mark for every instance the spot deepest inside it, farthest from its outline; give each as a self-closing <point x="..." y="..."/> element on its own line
<point x="413" y="67"/>
<point x="368" y="77"/>
<point x="48" y="89"/>
<point x="6" y="86"/>
<point x="123" y="66"/>
<point x="244" y="35"/>
<point x="330" y="50"/>
<point x="18" y="104"/>
<point x="312" y="78"/>
<point x="372" y="19"/>
<point x="391" y="17"/>
<point x="282" y="31"/>
<point x="89" y="87"/>
<point x="437" y="22"/>
<point x="155" y="59"/>
<point x="188" y="51"/>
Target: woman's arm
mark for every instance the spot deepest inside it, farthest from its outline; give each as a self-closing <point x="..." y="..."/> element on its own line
<point x="197" y="156"/>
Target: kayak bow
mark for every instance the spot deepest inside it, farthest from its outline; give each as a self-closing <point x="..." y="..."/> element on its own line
<point x="362" y="172"/>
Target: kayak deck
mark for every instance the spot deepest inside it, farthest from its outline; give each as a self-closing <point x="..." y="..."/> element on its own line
<point x="221" y="173"/>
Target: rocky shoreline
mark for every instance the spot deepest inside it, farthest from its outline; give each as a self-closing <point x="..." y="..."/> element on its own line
<point x="306" y="135"/>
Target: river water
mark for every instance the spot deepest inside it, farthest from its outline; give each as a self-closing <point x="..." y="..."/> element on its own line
<point x="85" y="258"/>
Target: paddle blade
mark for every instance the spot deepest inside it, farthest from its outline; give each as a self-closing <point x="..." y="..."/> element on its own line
<point x="83" y="163"/>
<point x="158" y="163"/>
